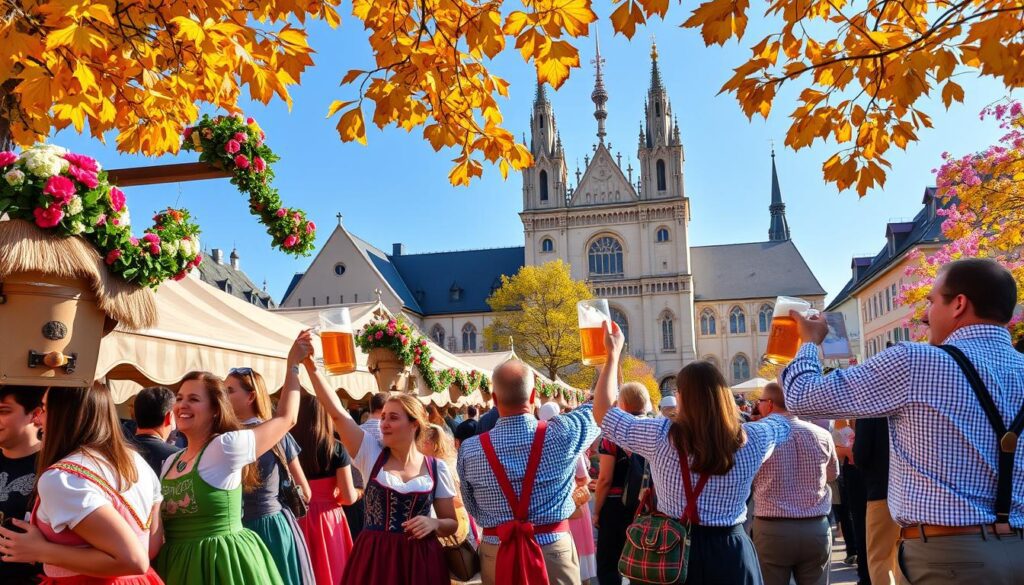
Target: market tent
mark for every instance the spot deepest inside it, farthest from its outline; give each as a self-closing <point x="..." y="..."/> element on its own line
<point x="362" y="315"/>
<point x="490" y="360"/>
<point x="750" y="385"/>
<point x="200" y="327"/>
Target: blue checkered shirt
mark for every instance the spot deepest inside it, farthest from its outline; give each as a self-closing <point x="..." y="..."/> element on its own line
<point x="724" y="499"/>
<point x="567" y="436"/>
<point x="943" y="452"/>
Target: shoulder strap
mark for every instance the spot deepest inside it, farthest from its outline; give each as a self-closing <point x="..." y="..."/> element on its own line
<point x="91" y="476"/>
<point x="1007" y="438"/>
<point x="520" y="506"/>
<point x="432" y="469"/>
<point x="381" y="459"/>
<point x="691" y="514"/>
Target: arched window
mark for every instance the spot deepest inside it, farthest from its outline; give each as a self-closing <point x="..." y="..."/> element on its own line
<point x="660" y="166"/>
<point x="668" y="386"/>
<point x="605" y="256"/>
<point x="707" y="322"/>
<point x="547" y="245"/>
<point x="662" y="235"/>
<point x="437" y="334"/>
<point x="737" y="321"/>
<point x="668" y="338"/>
<point x="764" y="318"/>
<point x="543" y="185"/>
<point x="620" y="318"/>
<point x="740" y="368"/>
<point x="468" y="337"/>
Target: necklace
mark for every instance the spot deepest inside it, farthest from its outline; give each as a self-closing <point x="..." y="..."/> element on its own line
<point x="182" y="464"/>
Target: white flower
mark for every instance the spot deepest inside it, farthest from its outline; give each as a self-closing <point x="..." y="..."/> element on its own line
<point x="74" y="206"/>
<point x="14" y="177"/>
<point x="44" y="164"/>
<point x="169" y="247"/>
<point x="77" y="227"/>
<point x="186" y="247"/>
<point x="125" y="218"/>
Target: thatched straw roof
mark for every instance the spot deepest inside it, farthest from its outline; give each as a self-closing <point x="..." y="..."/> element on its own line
<point x="26" y="248"/>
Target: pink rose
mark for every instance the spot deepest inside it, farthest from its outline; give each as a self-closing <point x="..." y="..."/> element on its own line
<point x="240" y="136"/>
<point x="198" y="259"/>
<point x="83" y="176"/>
<point x="154" y="249"/>
<point x="379" y="335"/>
<point x="423" y="343"/>
<point x="101" y="220"/>
<point x="80" y="160"/>
<point x="290" y="241"/>
<point x="310" y="227"/>
<point x="113" y="256"/>
<point x="250" y="121"/>
<point x="232" y="147"/>
<point x="7" y="158"/>
<point x="188" y="132"/>
<point x="241" y="161"/>
<point x="61" y="188"/>
<point x="259" y="164"/>
<point x="48" y="217"/>
<point x="431" y="359"/>
<point x="417" y="360"/>
<point x="152" y="239"/>
<point x="133" y="240"/>
<point x="281" y="212"/>
<point x="180" y="276"/>
<point x="116" y="199"/>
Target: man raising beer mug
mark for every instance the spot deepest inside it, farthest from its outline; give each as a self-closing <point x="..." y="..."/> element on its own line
<point x="784" y="337"/>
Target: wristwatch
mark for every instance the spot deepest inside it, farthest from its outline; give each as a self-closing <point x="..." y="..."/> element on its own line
<point x="295" y="369"/>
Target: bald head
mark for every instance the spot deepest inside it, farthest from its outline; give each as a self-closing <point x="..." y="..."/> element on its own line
<point x="511" y="381"/>
<point x="772" y="391"/>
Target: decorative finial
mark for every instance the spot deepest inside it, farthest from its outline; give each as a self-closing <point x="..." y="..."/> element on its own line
<point x="599" y="95"/>
<point x="377" y="292"/>
<point x="629" y="171"/>
<point x="618" y="159"/>
<point x="339" y="216"/>
<point x="654" y="49"/>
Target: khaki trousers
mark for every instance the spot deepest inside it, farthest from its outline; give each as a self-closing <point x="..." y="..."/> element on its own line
<point x="560" y="558"/>
<point x="797" y="550"/>
<point x="883" y="538"/>
<point x="961" y="560"/>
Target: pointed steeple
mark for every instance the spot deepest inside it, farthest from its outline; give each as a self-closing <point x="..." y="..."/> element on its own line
<point x="779" y="229"/>
<point x="599" y="95"/>
<point x="541" y="96"/>
<point x="655" y="72"/>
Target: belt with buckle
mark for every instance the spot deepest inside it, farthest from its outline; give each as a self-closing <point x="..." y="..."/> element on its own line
<point x="926" y="531"/>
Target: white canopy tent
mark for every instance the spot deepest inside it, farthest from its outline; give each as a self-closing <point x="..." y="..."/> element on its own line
<point x="490" y="360"/>
<point x="750" y="385"/>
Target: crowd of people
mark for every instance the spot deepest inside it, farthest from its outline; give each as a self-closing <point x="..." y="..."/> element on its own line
<point x="215" y="484"/>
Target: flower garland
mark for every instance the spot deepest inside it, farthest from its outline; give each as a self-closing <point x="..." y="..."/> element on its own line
<point x="68" y="193"/>
<point x="412" y="349"/>
<point x="546" y="389"/>
<point x="236" y="145"/>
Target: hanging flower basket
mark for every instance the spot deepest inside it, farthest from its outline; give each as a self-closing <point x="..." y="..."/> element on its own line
<point x="388" y="369"/>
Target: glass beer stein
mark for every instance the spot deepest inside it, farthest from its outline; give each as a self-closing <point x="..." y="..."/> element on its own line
<point x="336" y="338"/>
<point x="592" y="316"/>
<point x="784" y="336"/>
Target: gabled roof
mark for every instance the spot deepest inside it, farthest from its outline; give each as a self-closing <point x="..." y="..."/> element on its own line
<point x="603" y="173"/>
<point x="220" y="275"/>
<point x="430" y="277"/>
<point x="291" y="285"/>
<point x="382" y="263"/>
<point x="925" y="228"/>
<point x="750" y="271"/>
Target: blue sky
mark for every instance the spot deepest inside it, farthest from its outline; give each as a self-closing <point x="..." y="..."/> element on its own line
<point x="395" y="189"/>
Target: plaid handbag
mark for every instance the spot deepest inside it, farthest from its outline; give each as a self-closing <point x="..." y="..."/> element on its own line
<point x="657" y="548"/>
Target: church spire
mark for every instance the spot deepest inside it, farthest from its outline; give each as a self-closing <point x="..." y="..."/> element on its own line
<point x="541" y="96"/>
<point x="779" y="229"/>
<point x="655" y="72"/>
<point x="599" y="95"/>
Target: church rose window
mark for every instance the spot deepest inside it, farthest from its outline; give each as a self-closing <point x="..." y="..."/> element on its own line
<point x="339" y="269"/>
<point x="605" y="257"/>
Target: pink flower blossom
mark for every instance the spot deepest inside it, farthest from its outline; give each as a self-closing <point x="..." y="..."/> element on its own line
<point x="290" y="241"/>
<point x="152" y="239"/>
<point x="240" y="136"/>
<point x="84" y="176"/>
<point x="242" y="161"/>
<point x="60" y="188"/>
<point x="188" y="132"/>
<point x="259" y="165"/>
<point x="7" y="158"/>
<point x="250" y="121"/>
<point x="379" y="335"/>
<point x="48" y="217"/>
<point x="154" y="249"/>
<point x="310" y="227"/>
<point x="198" y="259"/>
<point x="180" y="276"/>
<point x="232" y="147"/>
<point x="101" y="220"/>
<point x="85" y="162"/>
<point x="112" y="256"/>
<point x="134" y="240"/>
<point x="116" y="199"/>
<point x="281" y="212"/>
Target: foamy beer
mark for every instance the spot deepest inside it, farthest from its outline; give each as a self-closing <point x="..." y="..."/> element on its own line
<point x="593" y="314"/>
<point x="336" y="338"/>
<point x="784" y="336"/>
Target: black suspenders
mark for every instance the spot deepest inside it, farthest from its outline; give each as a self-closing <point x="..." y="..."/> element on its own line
<point x="1007" y="437"/>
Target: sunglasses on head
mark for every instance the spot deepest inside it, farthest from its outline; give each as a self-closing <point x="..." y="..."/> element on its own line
<point x="240" y="371"/>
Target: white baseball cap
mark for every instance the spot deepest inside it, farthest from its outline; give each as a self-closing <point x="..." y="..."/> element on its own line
<point x="667" y="402"/>
<point x="548" y="411"/>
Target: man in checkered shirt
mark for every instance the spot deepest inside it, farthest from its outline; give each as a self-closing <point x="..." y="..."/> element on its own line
<point x="567" y="436"/>
<point x="944" y="452"/>
<point x="792" y="500"/>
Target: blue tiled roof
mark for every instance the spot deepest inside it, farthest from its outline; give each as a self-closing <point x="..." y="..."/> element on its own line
<point x="382" y="262"/>
<point x="924" y="228"/>
<point x="431" y="277"/>
<point x="291" y="285"/>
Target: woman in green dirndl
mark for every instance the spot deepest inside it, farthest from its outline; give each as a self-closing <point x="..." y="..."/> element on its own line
<point x="205" y="541"/>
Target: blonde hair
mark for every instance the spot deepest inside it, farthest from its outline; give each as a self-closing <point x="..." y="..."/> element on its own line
<point x="253" y="383"/>
<point x="414" y="410"/>
<point x="444" y="445"/>
<point x="633" y="397"/>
